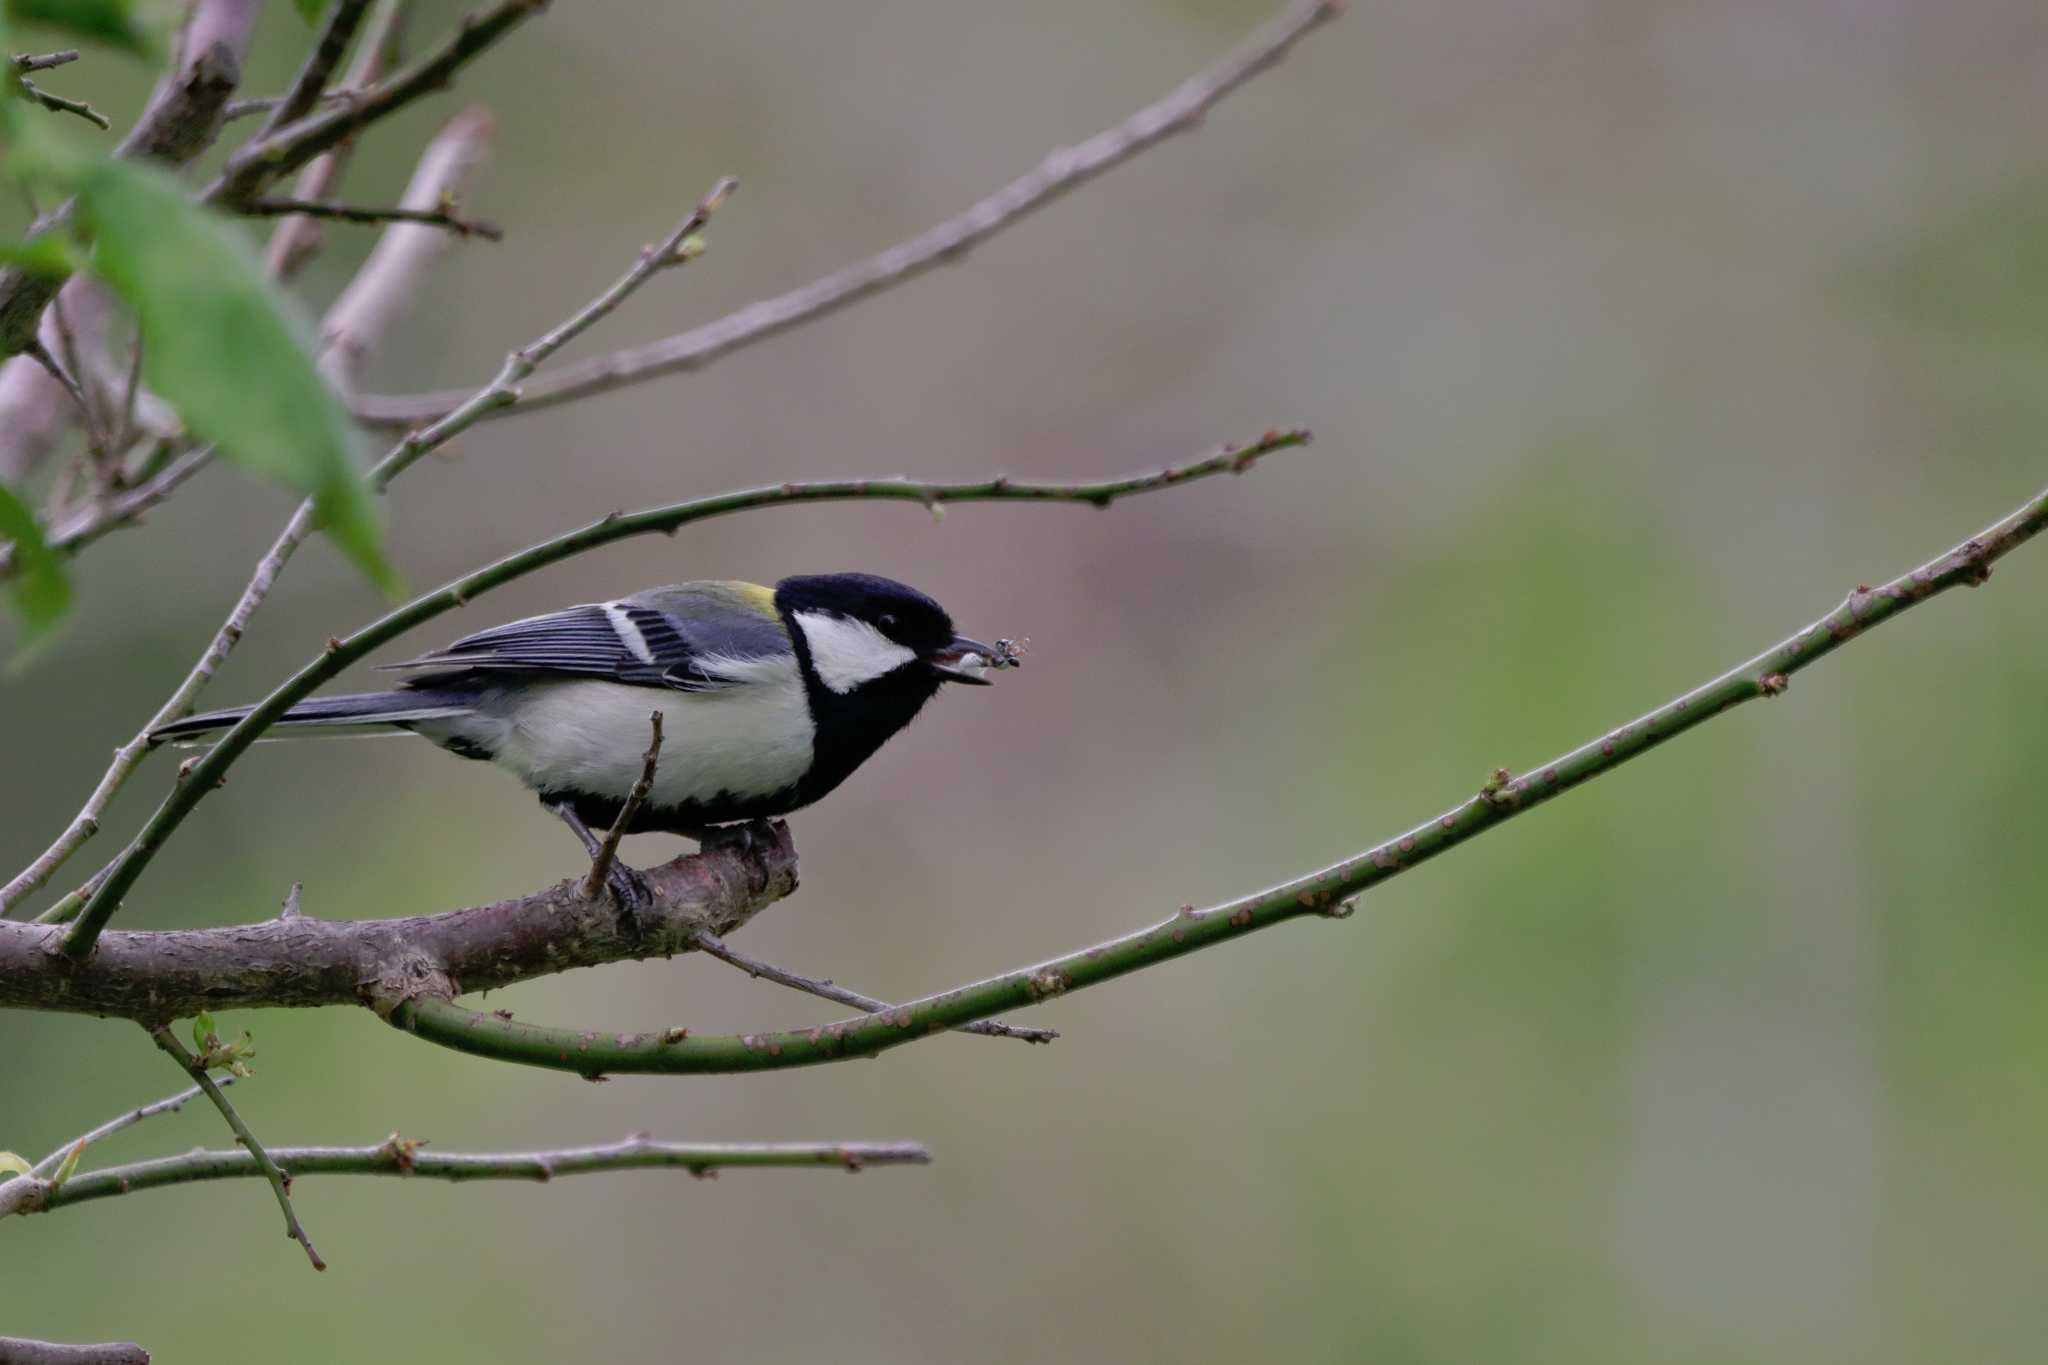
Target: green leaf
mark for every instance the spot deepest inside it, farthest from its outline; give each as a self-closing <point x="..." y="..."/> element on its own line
<point x="69" y="1164"/>
<point x="310" y="10"/>
<point x="39" y="590"/>
<point x="51" y="254"/>
<point x="112" y="22"/>
<point x="226" y="349"/>
<point x="10" y="1161"/>
<point x="202" y="1029"/>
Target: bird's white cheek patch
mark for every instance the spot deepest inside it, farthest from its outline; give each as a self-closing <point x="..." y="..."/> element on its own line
<point x="848" y="653"/>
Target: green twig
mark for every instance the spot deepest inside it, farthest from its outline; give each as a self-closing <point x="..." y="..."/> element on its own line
<point x="1326" y="893"/>
<point x="400" y="1157"/>
<point x="280" y="1183"/>
<point x="206" y="775"/>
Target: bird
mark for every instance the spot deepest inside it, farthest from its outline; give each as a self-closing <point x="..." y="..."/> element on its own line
<point x="770" y="698"/>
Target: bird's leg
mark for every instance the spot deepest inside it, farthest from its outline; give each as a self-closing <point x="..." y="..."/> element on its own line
<point x="629" y="889"/>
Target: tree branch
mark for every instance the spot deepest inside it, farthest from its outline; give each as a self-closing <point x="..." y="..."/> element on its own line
<point x="23" y="1351"/>
<point x="353" y="213"/>
<point x="301" y="961"/>
<point x="297" y="240"/>
<point x="505" y="388"/>
<point x="340" y="26"/>
<point x="1062" y="170"/>
<point x="170" y="1104"/>
<point x="205" y="776"/>
<point x="752" y="966"/>
<point x="1327" y="892"/>
<point x="280" y="1184"/>
<point x="267" y="158"/>
<point x="57" y="104"/>
<point x="398" y="1157"/>
<point x="29" y="62"/>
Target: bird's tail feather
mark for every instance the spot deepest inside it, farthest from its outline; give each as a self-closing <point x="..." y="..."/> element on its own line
<point x="357" y="713"/>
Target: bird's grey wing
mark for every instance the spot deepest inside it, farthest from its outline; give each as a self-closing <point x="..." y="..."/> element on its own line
<point x="672" y="645"/>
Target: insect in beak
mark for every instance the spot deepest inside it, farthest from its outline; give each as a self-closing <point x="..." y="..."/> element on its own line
<point x="969" y="661"/>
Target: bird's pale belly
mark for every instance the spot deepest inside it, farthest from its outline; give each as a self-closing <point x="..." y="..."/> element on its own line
<point x="730" y="754"/>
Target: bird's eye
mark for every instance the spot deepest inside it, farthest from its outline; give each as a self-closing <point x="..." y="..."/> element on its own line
<point x="888" y="621"/>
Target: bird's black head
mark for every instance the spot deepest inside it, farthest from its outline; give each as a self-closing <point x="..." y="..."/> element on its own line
<point x="857" y="630"/>
<point x="873" y="652"/>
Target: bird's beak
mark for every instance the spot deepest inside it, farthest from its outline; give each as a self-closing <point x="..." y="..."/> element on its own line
<point x="966" y="661"/>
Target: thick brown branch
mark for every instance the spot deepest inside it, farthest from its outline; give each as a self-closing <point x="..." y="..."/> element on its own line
<point x="153" y="977"/>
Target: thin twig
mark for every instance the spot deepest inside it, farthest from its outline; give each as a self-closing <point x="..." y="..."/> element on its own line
<point x="1062" y="170"/>
<point x="397" y="1156"/>
<point x="608" y="851"/>
<point x="351" y="213"/>
<point x="506" y="387"/>
<point x="170" y="1104"/>
<point x="264" y="160"/>
<point x="1327" y="893"/>
<point x="752" y="966"/>
<point x="58" y="104"/>
<point x="280" y="1183"/>
<point x="297" y="240"/>
<point x="335" y="31"/>
<point x="83" y="527"/>
<point x="206" y="774"/>
<point x="28" y="62"/>
<point x="40" y="353"/>
<point x="238" y="110"/>
<point x="98" y="438"/>
<point x="131" y="391"/>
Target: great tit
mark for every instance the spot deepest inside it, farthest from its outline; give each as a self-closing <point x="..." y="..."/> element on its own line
<point x="770" y="698"/>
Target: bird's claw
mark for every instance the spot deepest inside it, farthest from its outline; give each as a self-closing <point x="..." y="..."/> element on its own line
<point x="631" y="893"/>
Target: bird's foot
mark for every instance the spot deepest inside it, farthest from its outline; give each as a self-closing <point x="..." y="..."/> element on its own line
<point x="632" y="894"/>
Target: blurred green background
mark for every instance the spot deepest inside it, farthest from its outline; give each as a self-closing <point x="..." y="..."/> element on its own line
<point x="1634" y="335"/>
